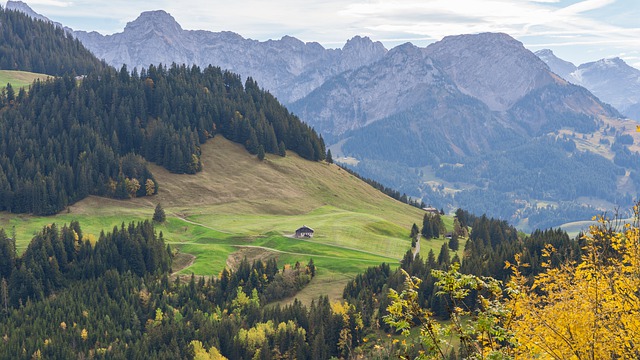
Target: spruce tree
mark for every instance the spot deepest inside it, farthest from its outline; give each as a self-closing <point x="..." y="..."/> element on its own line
<point x="454" y="244"/>
<point x="260" y="153"/>
<point x="158" y="215"/>
<point x="414" y="231"/>
<point x="329" y="158"/>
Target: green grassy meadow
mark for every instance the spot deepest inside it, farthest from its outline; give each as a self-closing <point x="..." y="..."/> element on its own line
<point x="241" y="207"/>
<point x="19" y="79"/>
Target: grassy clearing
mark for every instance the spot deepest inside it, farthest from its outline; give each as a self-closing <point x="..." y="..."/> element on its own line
<point x="238" y="202"/>
<point x="19" y="79"/>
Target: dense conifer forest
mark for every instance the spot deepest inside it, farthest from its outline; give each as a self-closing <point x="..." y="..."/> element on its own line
<point x="37" y="46"/>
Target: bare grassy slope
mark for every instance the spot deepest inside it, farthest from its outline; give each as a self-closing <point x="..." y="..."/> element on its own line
<point x="19" y="79"/>
<point x="236" y="183"/>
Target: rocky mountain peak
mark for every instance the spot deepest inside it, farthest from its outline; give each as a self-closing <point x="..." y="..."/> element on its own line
<point x="608" y="63"/>
<point x="158" y="21"/>
<point x="557" y="65"/>
<point x="363" y="43"/>
<point x="484" y="65"/>
<point x="544" y="53"/>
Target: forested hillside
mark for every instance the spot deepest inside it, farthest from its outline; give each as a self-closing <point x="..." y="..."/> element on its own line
<point x="40" y="47"/>
<point x="67" y="138"/>
<point x="68" y="297"/>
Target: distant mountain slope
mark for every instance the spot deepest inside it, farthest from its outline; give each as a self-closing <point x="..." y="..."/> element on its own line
<point x="557" y="65"/>
<point x="422" y="113"/>
<point x="514" y="89"/>
<point x="612" y="80"/>
<point x="494" y="68"/>
<point x="353" y="99"/>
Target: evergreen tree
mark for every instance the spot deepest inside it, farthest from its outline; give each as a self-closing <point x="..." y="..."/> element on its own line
<point x="414" y="231"/>
<point x="158" y="215"/>
<point x="444" y="257"/>
<point x="312" y="268"/>
<point x="329" y="158"/>
<point x="260" y="153"/>
<point x="454" y="243"/>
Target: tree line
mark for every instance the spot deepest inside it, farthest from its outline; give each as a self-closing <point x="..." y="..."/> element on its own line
<point x="40" y="47"/>
<point x="64" y="140"/>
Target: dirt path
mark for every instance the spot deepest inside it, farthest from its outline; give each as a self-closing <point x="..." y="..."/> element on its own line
<point x="416" y="250"/>
<point x="184" y="261"/>
<point x="198" y="224"/>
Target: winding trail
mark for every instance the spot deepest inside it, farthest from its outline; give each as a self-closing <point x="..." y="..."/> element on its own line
<point x="416" y="250"/>
<point x="198" y="224"/>
<point x="192" y="259"/>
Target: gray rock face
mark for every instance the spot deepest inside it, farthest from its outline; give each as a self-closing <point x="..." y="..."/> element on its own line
<point x="494" y="68"/>
<point x="612" y="80"/>
<point x="356" y="98"/>
<point x="288" y="67"/>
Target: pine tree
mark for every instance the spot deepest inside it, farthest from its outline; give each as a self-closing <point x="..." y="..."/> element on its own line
<point x="260" y="153"/>
<point x="454" y="243"/>
<point x="329" y="158"/>
<point x="158" y="215"/>
<point x="312" y="268"/>
<point x="414" y="231"/>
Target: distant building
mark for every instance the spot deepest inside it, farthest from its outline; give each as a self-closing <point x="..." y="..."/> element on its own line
<point x="431" y="210"/>
<point x="304" y="231"/>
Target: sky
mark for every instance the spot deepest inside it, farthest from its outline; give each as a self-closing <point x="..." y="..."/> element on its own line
<point x="579" y="31"/>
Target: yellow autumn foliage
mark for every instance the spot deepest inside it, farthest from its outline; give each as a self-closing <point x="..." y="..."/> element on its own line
<point x="200" y="353"/>
<point x="588" y="310"/>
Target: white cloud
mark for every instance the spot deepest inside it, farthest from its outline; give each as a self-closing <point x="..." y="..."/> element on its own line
<point x="584" y="6"/>
<point x="55" y="3"/>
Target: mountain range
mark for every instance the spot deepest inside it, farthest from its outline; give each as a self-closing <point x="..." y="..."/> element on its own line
<point x="612" y="80"/>
<point x="476" y="121"/>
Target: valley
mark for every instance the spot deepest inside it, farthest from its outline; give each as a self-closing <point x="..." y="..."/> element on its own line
<point x="193" y="210"/>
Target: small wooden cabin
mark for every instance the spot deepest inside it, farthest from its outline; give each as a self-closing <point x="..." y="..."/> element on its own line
<point x="304" y="231"/>
<point x="431" y="210"/>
